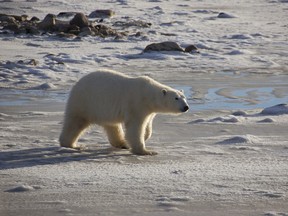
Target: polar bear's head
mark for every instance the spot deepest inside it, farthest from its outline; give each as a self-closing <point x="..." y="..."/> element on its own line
<point x="174" y="101"/>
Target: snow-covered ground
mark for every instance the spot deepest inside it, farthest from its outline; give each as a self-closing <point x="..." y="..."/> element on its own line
<point x="225" y="157"/>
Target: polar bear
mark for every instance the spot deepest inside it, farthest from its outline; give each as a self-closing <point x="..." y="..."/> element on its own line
<point x="112" y="100"/>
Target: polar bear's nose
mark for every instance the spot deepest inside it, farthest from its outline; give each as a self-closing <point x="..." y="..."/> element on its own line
<point x="185" y="108"/>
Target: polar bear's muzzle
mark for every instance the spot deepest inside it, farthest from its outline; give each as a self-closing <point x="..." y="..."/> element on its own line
<point x="185" y="108"/>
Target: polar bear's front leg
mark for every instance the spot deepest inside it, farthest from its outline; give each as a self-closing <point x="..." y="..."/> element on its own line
<point x="135" y="134"/>
<point x="148" y="129"/>
<point x="116" y="136"/>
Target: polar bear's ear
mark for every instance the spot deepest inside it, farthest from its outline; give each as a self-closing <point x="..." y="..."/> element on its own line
<point x="164" y="91"/>
<point x="181" y="90"/>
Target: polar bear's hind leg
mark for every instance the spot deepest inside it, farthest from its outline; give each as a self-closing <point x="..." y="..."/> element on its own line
<point x="116" y="136"/>
<point x="72" y="129"/>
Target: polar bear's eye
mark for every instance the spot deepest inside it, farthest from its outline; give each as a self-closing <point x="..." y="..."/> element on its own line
<point x="176" y="98"/>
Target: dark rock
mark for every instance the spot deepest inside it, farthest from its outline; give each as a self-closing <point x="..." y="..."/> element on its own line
<point x="7" y="18"/>
<point x="62" y="26"/>
<point x="86" y="31"/>
<point x="21" y="30"/>
<point x="78" y="26"/>
<point x="104" y="31"/>
<point x="101" y="14"/>
<point x="66" y="35"/>
<point x="48" y="23"/>
<point x="138" y="34"/>
<point x="163" y="46"/>
<point x="33" y="62"/>
<point x="75" y="32"/>
<point x="132" y="23"/>
<point x="225" y="15"/>
<point x="191" y="48"/>
<point x="266" y="120"/>
<point x="80" y="20"/>
<point x="66" y="14"/>
<point x="21" y="18"/>
<point x="239" y="113"/>
<point x="73" y="29"/>
<point x="168" y="34"/>
<point x="33" y="30"/>
<point x="44" y="86"/>
<point x="21" y="188"/>
<point x="279" y="109"/>
<point x="34" y="19"/>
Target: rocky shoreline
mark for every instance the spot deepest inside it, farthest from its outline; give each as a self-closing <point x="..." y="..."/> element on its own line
<point x="61" y="25"/>
<point x="76" y="25"/>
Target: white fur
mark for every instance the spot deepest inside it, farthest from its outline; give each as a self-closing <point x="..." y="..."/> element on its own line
<point x="113" y="100"/>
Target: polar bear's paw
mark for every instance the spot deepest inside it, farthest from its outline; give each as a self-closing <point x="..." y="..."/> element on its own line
<point x="120" y="145"/>
<point x="143" y="152"/>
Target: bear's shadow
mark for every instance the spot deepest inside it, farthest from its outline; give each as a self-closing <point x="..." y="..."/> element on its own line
<point x="53" y="155"/>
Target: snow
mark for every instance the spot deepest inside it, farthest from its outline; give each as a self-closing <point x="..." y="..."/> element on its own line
<point x="227" y="156"/>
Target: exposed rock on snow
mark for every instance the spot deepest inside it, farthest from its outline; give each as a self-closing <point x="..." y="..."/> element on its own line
<point x="132" y="23"/>
<point x="101" y="14"/>
<point x="197" y="121"/>
<point x="80" y="20"/>
<point x="44" y="86"/>
<point x="225" y="15"/>
<point x="77" y="26"/>
<point x="66" y="14"/>
<point x="266" y="120"/>
<point x="163" y="46"/>
<point x="48" y="23"/>
<point x="170" y="46"/>
<point x="279" y="109"/>
<point x="191" y="48"/>
<point x="239" y="113"/>
<point x="21" y="188"/>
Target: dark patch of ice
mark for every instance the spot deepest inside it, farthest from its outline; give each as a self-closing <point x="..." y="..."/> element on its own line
<point x="225" y="15"/>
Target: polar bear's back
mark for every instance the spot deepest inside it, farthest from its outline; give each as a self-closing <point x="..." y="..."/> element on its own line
<point x="106" y="77"/>
<point x="103" y="95"/>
